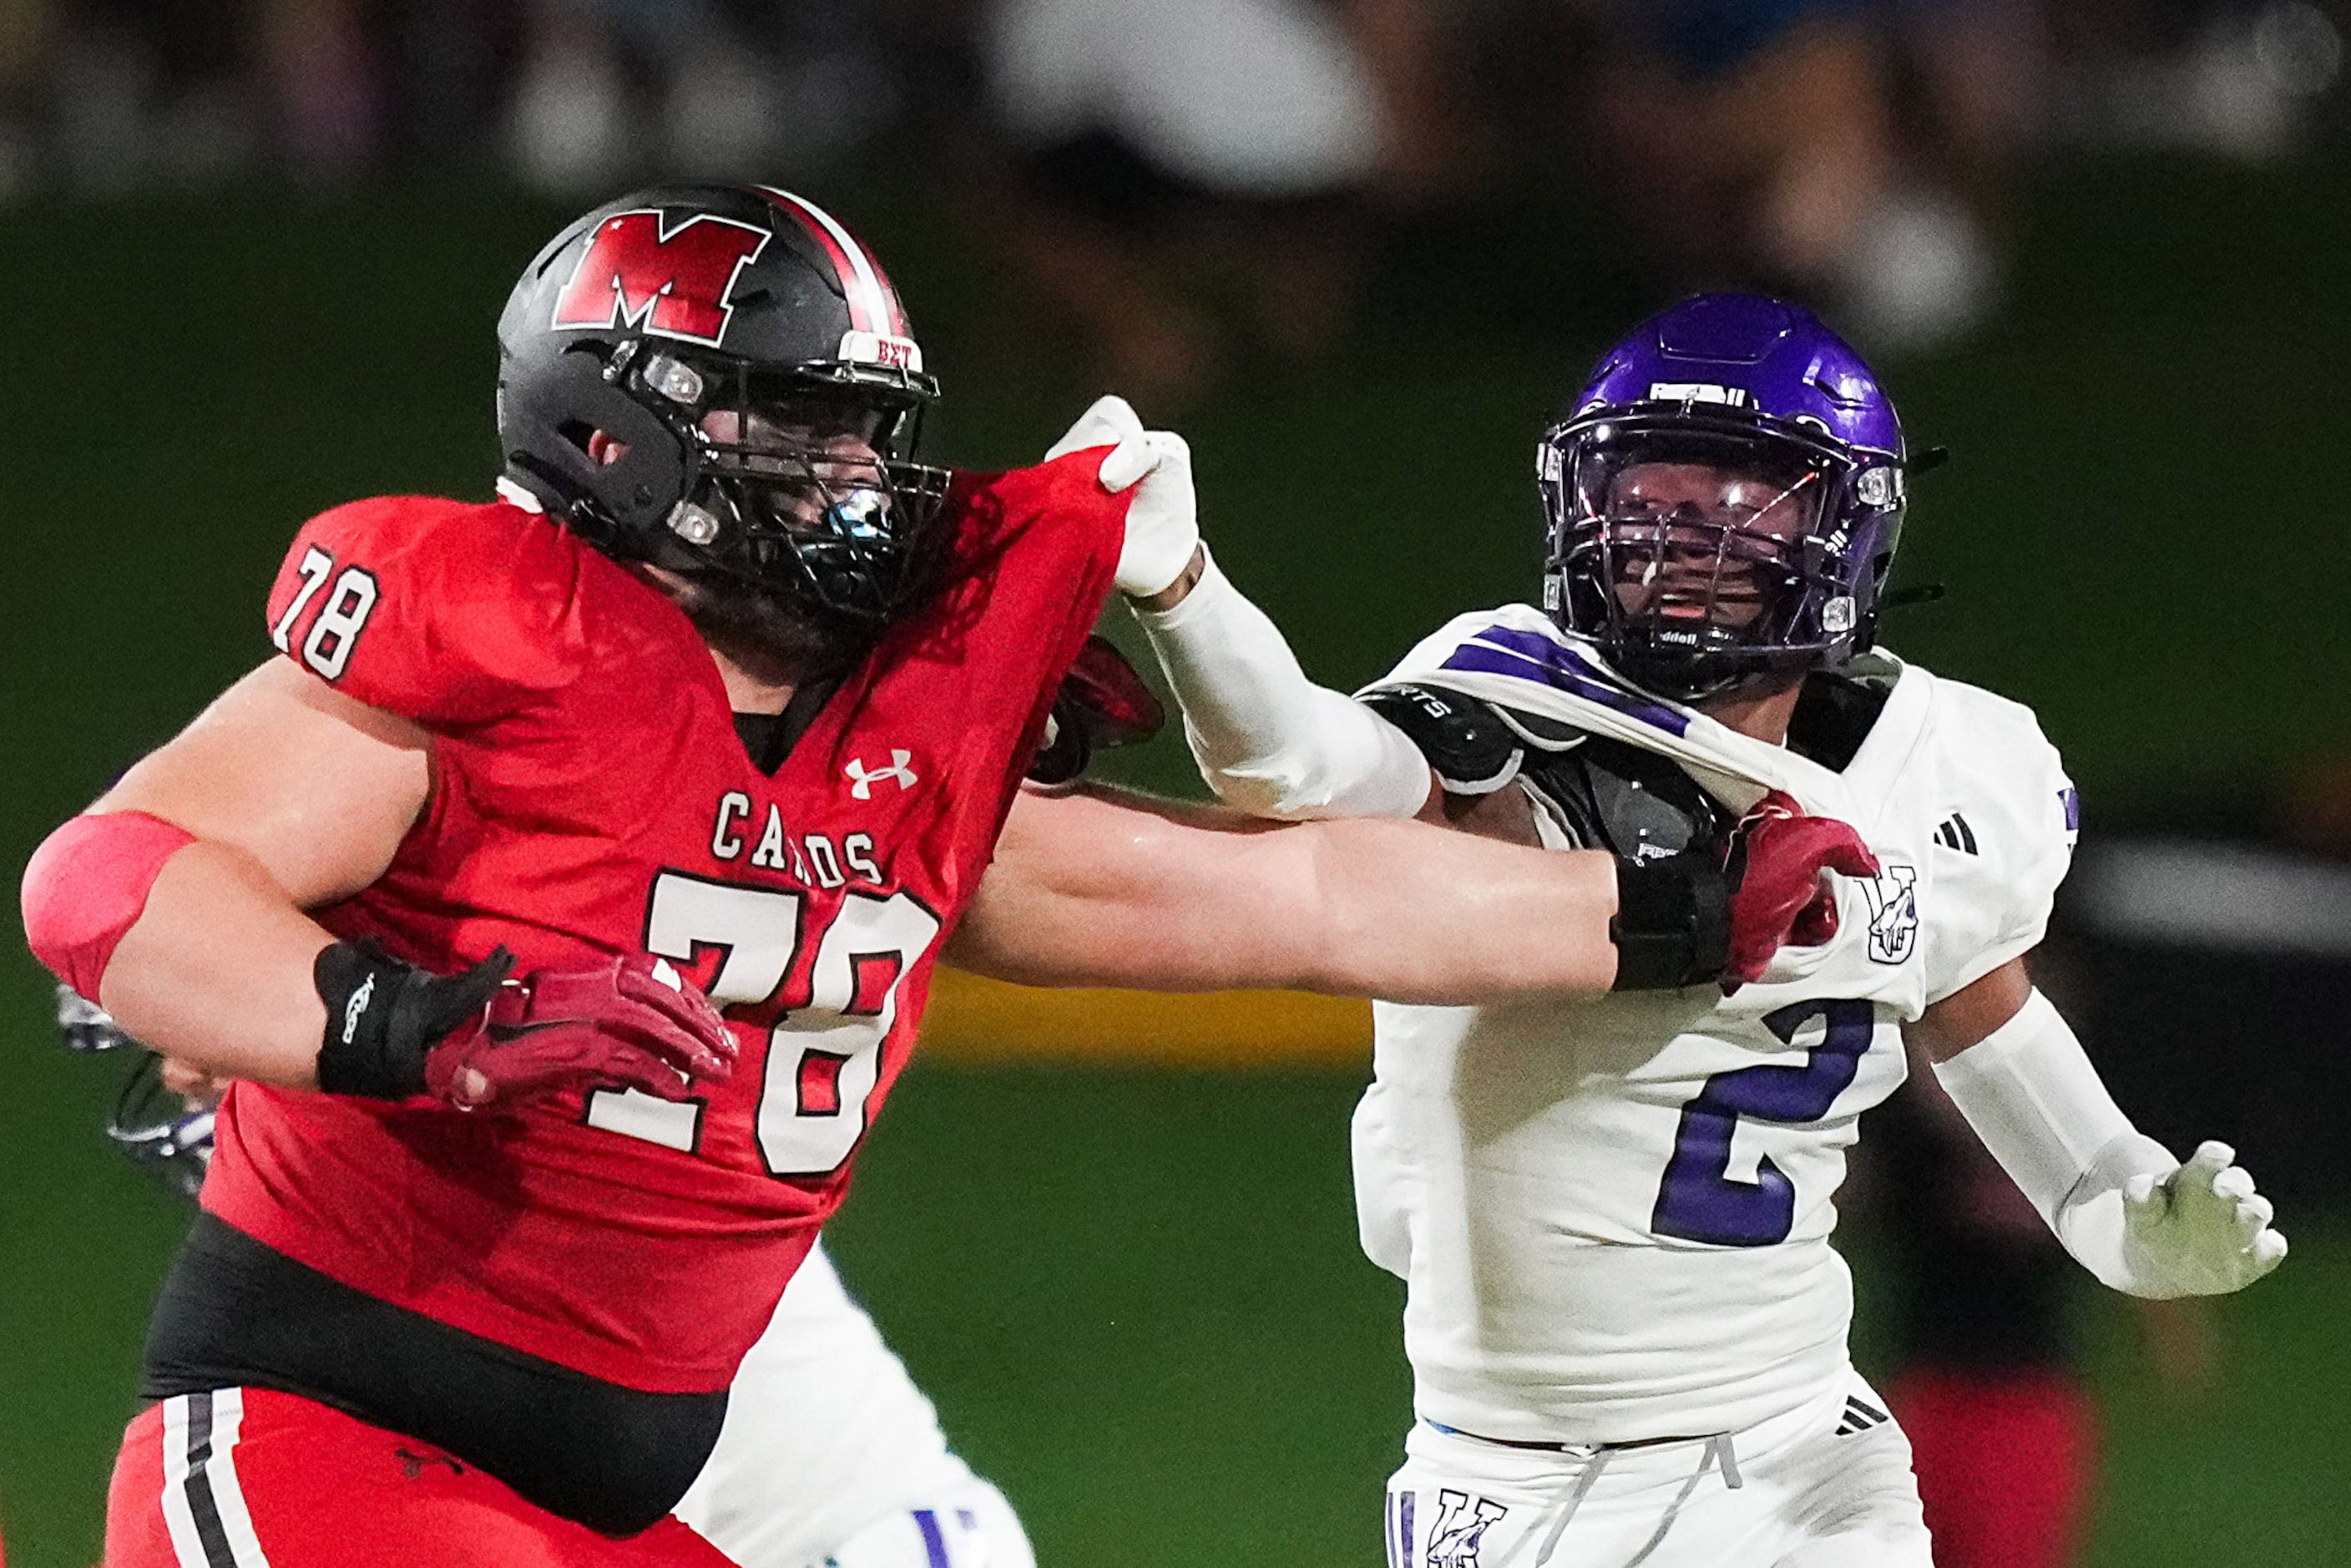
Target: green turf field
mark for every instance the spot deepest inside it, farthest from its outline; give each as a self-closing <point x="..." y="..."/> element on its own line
<point x="1137" y="1299"/>
<point x="1136" y="1296"/>
<point x="1140" y="1307"/>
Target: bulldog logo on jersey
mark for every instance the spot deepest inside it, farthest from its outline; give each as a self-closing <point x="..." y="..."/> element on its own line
<point x="1462" y="1521"/>
<point x="674" y="283"/>
<point x="1893" y="896"/>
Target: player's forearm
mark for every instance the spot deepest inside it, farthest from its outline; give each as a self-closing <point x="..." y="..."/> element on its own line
<point x="217" y="971"/>
<point x="1098" y="887"/>
<point x="177" y="901"/>
<point x="1267" y="740"/>
<point x="2122" y="1204"/>
<point x="1411" y="913"/>
<point x="1399" y="911"/>
<point x="2036" y="1102"/>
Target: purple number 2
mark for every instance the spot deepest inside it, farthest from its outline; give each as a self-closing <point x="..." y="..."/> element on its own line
<point x="1699" y="1200"/>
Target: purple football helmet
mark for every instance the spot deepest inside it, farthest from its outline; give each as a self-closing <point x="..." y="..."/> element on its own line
<point x="1724" y="499"/>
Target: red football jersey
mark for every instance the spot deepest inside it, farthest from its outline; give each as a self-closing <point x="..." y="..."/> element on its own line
<point x="591" y="797"/>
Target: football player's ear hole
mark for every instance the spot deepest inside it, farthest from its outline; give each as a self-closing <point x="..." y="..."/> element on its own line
<point x="601" y="448"/>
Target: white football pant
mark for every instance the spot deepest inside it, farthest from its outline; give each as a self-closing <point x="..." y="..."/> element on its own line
<point x="969" y="1526"/>
<point x="831" y="1453"/>
<point x="1828" y="1485"/>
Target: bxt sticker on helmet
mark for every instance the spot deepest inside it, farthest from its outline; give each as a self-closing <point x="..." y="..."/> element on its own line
<point x="673" y="283"/>
<point x="874" y="349"/>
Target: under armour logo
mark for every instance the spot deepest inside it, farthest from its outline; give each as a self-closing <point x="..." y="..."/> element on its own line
<point x="411" y="1464"/>
<point x="861" y="782"/>
<point x="1893" y="913"/>
<point x="1461" y="1523"/>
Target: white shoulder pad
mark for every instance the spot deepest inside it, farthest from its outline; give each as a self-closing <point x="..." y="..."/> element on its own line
<point x="2007" y="818"/>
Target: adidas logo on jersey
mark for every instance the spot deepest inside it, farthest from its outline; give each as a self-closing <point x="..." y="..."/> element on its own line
<point x="1955" y="835"/>
<point x="1859" y="1416"/>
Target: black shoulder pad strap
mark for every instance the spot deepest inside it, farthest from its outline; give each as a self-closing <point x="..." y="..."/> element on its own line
<point x="1543" y="733"/>
<point x="1835" y="713"/>
<point x="1631" y="802"/>
<point x="1472" y="752"/>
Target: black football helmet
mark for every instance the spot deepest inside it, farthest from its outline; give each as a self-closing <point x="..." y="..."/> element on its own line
<point x="760" y="394"/>
<point x="164" y="1134"/>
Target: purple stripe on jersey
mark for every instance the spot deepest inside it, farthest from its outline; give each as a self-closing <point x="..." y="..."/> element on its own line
<point x="1501" y="651"/>
<point x="2072" y="800"/>
<point x="935" y="1544"/>
<point x="1404" y="1528"/>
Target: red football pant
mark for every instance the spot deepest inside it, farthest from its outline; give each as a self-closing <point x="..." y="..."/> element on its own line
<point x="2003" y="1461"/>
<point x="250" y="1479"/>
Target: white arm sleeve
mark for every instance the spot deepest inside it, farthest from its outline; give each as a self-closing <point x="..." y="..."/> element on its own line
<point x="2031" y="1094"/>
<point x="1269" y="741"/>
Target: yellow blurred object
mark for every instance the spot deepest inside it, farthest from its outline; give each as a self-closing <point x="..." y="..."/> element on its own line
<point x="976" y="1019"/>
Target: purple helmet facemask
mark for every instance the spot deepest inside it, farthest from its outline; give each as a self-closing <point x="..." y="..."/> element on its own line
<point x="1725" y="500"/>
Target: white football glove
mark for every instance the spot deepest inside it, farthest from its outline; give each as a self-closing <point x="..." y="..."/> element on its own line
<point x="1163" y="521"/>
<point x="2200" y="1231"/>
<point x="2127" y="1210"/>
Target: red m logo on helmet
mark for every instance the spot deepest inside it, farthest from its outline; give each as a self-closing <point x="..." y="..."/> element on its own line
<point x="674" y="283"/>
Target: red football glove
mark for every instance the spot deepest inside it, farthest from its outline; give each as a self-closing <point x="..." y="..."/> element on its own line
<point x="1102" y="703"/>
<point x="1103" y="688"/>
<point x="632" y="1021"/>
<point x="1777" y="898"/>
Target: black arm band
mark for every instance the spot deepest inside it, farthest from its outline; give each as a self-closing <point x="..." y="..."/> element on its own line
<point x="1672" y="926"/>
<point x="384" y="1016"/>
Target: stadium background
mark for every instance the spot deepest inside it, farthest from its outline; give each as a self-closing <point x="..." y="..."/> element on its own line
<point x="1112" y="1236"/>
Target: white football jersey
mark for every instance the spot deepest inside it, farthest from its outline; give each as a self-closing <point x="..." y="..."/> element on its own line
<point x="1613" y="1216"/>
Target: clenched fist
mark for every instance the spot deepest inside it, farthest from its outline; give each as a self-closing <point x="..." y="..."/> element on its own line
<point x="1778" y="855"/>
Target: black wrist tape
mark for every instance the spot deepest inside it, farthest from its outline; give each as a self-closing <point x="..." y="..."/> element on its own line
<point x="384" y="1016"/>
<point x="1066" y="748"/>
<point x="1672" y="926"/>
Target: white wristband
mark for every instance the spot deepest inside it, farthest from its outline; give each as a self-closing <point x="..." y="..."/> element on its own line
<point x="1269" y="740"/>
<point x="2031" y="1094"/>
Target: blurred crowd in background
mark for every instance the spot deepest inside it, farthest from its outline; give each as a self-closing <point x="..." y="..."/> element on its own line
<point x="1855" y="152"/>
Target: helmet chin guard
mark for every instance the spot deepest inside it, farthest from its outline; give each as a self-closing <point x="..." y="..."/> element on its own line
<point x="1724" y="502"/>
<point x="757" y="395"/>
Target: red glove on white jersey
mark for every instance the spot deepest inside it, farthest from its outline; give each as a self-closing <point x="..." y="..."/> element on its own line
<point x="1777" y="897"/>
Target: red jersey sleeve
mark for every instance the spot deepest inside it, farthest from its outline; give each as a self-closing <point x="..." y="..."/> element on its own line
<point x="449" y="613"/>
<point x="1036" y="548"/>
